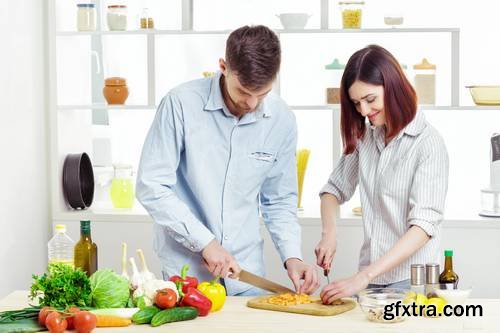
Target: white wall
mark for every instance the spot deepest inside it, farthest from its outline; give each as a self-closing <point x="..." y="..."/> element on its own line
<point x="24" y="200"/>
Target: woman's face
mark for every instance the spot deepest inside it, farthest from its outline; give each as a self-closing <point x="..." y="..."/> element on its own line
<point x="369" y="101"/>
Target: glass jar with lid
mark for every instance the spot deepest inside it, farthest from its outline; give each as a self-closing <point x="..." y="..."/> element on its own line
<point x="122" y="187"/>
<point x="425" y="82"/>
<point x="146" y="19"/>
<point x="117" y="17"/>
<point x="86" y="17"/>
<point x="335" y="70"/>
<point x="351" y="14"/>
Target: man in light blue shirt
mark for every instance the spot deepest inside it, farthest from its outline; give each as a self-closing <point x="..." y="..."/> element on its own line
<point x="221" y="150"/>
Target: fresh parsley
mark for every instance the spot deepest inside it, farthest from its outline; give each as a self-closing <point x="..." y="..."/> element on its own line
<point x="62" y="286"/>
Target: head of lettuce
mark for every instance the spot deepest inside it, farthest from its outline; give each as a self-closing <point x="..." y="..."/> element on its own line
<point x="109" y="290"/>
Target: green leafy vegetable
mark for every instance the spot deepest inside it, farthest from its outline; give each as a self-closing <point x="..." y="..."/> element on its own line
<point x="63" y="286"/>
<point x="109" y="290"/>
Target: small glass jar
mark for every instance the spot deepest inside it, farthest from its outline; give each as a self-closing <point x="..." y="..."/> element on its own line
<point x="86" y="17"/>
<point x="425" y="82"/>
<point x="146" y="19"/>
<point x="334" y="73"/>
<point x="122" y="187"/>
<point x="351" y="14"/>
<point x="117" y="17"/>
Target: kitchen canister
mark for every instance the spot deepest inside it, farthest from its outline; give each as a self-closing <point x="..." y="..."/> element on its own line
<point x="115" y="90"/>
<point x="86" y="17"/>
<point x="425" y="82"/>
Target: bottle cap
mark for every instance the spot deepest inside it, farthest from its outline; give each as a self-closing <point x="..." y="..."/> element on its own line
<point x="60" y="228"/>
<point x="417" y="274"/>
<point x="448" y="253"/>
<point x="85" y="226"/>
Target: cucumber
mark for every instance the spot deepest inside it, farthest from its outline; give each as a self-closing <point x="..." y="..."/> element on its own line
<point x="145" y="315"/>
<point x="174" y="314"/>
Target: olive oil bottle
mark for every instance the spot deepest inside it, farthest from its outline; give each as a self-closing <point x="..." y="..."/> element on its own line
<point x="86" y="250"/>
<point x="448" y="279"/>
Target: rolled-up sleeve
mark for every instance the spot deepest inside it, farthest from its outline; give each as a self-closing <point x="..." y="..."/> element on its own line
<point x="278" y="198"/>
<point x="429" y="187"/>
<point x="344" y="178"/>
<point x="157" y="175"/>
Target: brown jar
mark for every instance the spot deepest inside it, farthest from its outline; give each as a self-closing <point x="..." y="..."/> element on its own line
<point x="115" y="90"/>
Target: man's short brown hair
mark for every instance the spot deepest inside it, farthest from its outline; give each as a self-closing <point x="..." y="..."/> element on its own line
<point x="254" y="54"/>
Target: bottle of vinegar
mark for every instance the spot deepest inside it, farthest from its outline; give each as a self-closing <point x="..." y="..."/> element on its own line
<point x="448" y="279"/>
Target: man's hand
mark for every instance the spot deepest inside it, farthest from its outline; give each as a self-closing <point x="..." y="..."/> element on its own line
<point x="325" y="250"/>
<point x="298" y="270"/>
<point x="344" y="288"/>
<point x="218" y="261"/>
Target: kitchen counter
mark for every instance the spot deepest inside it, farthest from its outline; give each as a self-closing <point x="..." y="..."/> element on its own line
<point x="236" y="317"/>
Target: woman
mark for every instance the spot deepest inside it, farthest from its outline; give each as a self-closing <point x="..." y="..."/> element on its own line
<point x="401" y="165"/>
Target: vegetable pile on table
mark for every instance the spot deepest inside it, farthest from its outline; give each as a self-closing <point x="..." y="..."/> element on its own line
<point x="69" y="299"/>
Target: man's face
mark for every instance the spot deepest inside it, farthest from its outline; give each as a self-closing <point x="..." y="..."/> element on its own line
<point x="241" y="100"/>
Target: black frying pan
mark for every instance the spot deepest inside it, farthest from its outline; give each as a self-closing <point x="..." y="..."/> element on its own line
<point x="78" y="180"/>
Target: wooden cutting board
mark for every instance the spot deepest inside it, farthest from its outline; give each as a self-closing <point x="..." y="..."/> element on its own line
<point x="316" y="308"/>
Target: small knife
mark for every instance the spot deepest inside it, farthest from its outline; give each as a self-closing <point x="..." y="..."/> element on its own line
<point x="262" y="283"/>
<point x="325" y="273"/>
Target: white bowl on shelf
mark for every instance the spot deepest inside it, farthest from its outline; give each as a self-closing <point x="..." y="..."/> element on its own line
<point x="454" y="296"/>
<point x="293" y="20"/>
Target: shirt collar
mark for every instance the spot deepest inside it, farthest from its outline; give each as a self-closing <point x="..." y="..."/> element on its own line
<point x="216" y="102"/>
<point x="417" y="125"/>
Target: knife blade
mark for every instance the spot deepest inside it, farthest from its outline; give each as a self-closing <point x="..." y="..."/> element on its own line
<point x="262" y="283"/>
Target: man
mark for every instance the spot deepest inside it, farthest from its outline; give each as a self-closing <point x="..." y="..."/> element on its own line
<point x="220" y="150"/>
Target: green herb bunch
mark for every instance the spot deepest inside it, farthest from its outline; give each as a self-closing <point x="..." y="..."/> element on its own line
<point x="63" y="286"/>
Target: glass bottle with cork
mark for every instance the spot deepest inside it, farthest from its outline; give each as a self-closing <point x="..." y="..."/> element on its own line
<point x="86" y="250"/>
<point x="448" y="279"/>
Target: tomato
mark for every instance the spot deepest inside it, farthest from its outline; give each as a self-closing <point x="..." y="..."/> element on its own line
<point x="70" y="318"/>
<point x="55" y="322"/>
<point x="84" y="321"/>
<point x="166" y="298"/>
<point x="42" y="315"/>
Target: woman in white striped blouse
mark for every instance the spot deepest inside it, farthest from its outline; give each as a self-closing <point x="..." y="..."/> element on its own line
<point x="401" y="165"/>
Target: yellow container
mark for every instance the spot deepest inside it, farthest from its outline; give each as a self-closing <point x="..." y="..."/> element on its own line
<point x="122" y="188"/>
<point x="351" y="14"/>
<point x="485" y="95"/>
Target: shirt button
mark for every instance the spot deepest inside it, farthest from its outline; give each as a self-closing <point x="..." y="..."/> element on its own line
<point x="226" y="238"/>
<point x="192" y="247"/>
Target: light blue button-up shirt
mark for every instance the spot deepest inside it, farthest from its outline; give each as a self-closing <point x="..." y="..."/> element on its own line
<point x="205" y="174"/>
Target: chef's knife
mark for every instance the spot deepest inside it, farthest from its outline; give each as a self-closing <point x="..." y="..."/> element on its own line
<point x="262" y="283"/>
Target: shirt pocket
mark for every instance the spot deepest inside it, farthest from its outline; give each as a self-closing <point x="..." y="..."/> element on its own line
<point x="396" y="179"/>
<point x="255" y="166"/>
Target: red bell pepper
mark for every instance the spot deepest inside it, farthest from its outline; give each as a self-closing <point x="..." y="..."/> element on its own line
<point x="187" y="281"/>
<point x="195" y="298"/>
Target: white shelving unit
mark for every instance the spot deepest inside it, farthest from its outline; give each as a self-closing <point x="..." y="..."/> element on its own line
<point x="60" y="212"/>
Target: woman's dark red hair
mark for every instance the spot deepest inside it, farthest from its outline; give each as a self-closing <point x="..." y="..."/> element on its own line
<point x="375" y="65"/>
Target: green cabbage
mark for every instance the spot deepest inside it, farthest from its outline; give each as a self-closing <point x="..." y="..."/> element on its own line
<point x="109" y="290"/>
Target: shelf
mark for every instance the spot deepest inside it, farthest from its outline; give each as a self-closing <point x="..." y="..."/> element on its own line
<point x="106" y="107"/>
<point x="421" y="107"/>
<point x="278" y="31"/>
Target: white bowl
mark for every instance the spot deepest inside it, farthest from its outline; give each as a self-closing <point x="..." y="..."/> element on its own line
<point x="293" y="20"/>
<point x="454" y="296"/>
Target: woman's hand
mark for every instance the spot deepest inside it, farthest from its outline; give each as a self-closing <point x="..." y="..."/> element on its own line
<point x="344" y="288"/>
<point x="325" y="250"/>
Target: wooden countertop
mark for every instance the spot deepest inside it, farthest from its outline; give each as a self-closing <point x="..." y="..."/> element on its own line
<point x="237" y="317"/>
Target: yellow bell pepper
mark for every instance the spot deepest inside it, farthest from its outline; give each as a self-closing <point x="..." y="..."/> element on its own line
<point x="215" y="292"/>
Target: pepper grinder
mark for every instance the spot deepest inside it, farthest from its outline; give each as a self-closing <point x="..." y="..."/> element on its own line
<point x="431" y="279"/>
<point x="418" y="278"/>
